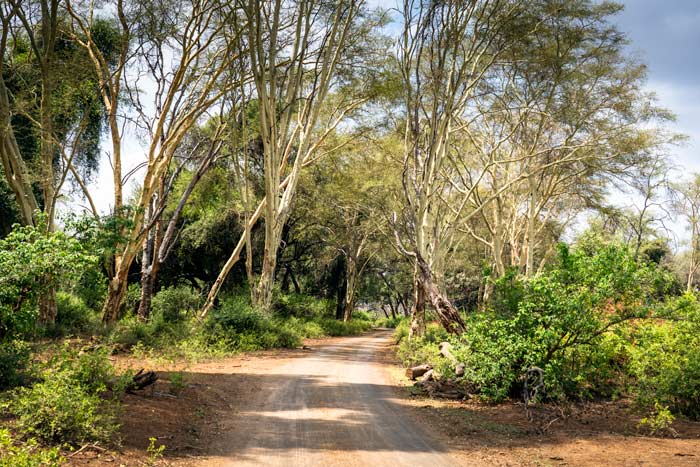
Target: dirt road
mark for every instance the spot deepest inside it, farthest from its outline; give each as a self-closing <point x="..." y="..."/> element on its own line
<point x="331" y="406"/>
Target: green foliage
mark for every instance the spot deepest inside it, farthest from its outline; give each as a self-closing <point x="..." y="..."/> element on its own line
<point x="177" y="382"/>
<point x="402" y="330"/>
<point x="26" y="454"/>
<point x="14" y="358"/>
<point x="73" y="315"/>
<point x="388" y="322"/>
<point x="154" y="453"/>
<point x="300" y="305"/>
<point x="664" y="359"/>
<point x="658" y="421"/>
<point x="174" y="304"/>
<point x="32" y="260"/>
<point x="69" y="404"/>
<point x="59" y="411"/>
<point x="132" y="299"/>
<point x="417" y="351"/>
<point x="233" y="326"/>
<point x="334" y="327"/>
<point x="566" y="321"/>
<point x="237" y="326"/>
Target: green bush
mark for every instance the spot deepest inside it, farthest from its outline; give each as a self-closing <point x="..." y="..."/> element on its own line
<point x="389" y="322"/>
<point x="26" y="454"/>
<point x="174" y="304"/>
<point x="300" y="305"/>
<point x="334" y="327"/>
<point x="131" y="301"/>
<point x="69" y="405"/>
<point x="130" y="331"/>
<point x="73" y="315"/>
<point x="14" y="359"/>
<point x="239" y="327"/>
<point x="31" y="262"/>
<point x="60" y="411"/>
<point x="664" y="360"/>
<point x="90" y="369"/>
<point x="402" y="330"/>
<point x="418" y="351"/>
<point x="568" y="320"/>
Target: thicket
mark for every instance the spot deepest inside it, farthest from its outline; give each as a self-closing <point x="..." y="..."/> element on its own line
<point x="600" y="322"/>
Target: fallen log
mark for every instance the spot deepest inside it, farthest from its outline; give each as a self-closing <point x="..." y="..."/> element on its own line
<point x="428" y="376"/>
<point x="141" y="380"/>
<point x="417" y="371"/>
<point x="442" y="389"/>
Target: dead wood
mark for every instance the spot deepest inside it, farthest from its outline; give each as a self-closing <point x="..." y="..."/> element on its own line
<point x="417" y="371"/>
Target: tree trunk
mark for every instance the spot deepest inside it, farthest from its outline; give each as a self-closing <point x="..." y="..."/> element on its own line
<point x="448" y="315"/>
<point x="418" y="309"/>
<point x="116" y="291"/>
<point x="48" y="308"/>
<point x="147" y="286"/>
<point x="15" y="169"/>
<point x="340" y="291"/>
<point x="351" y="283"/>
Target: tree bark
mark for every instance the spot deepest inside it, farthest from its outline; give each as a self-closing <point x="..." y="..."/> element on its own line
<point x="448" y="315"/>
<point x="418" y="309"/>
<point x="351" y="284"/>
<point x="116" y="291"/>
<point x="48" y="308"/>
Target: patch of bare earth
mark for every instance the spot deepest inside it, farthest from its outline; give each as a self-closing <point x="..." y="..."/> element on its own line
<point x="199" y="421"/>
<point x="186" y="420"/>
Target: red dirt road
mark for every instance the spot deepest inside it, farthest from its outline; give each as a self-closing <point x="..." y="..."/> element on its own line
<point x="332" y="407"/>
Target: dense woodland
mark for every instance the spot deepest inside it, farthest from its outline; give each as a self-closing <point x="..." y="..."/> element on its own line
<point x="317" y="168"/>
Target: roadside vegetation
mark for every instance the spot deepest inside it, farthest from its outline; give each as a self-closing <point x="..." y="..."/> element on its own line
<point x="308" y="169"/>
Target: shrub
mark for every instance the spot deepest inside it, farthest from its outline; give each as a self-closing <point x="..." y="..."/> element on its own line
<point x="659" y="420"/>
<point x="27" y="454"/>
<point x="418" y="351"/>
<point x="334" y="327"/>
<point x="60" y="411"/>
<point x="567" y="320"/>
<point x="664" y="360"/>
<point x="130" y="331"/>
<point x="402" y="330"/>
<point x="300" y="305"/>
<point x="32" y="261"/>
<point x="132" y="298"/>
<point x="14" y="358"/>
<point x="389" y="322"/>
<point x="175" y="304"/>
<point x="69" y="406"/>
<point x="89" y="369"/>
<point x="73" y="314"/>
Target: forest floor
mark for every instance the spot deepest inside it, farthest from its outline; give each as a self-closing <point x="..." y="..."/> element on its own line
<point x="345" y="401"/>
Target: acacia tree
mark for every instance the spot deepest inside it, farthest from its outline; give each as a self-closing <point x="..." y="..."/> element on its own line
<point x="561" y="122"/>
<point x="297" y="51"/>
<point x="687" y="204"/>
<point x="48" y="102"/>
<point x="184" y="48"/>
<point x="350" y="226"/>
<point x="445" y="52"/>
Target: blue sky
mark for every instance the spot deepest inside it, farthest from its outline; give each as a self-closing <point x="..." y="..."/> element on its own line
<point x="665" y="34"/>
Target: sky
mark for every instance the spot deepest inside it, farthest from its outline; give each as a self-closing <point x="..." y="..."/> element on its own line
<point x="665" y="34"/>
